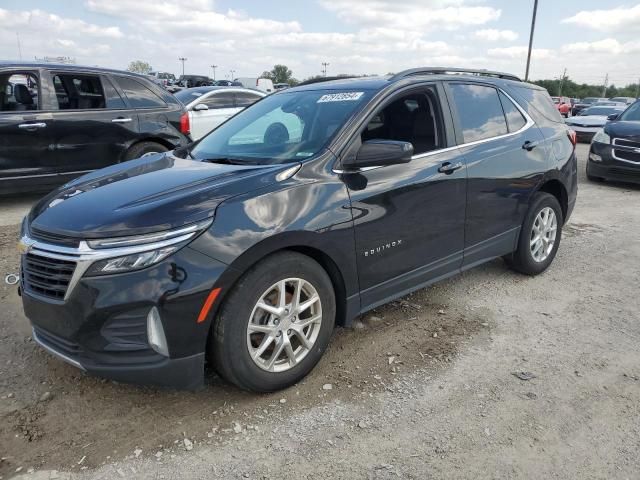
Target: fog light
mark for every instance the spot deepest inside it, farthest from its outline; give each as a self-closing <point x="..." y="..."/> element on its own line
<point x="155" y="333"/>
<point x="595" y="157"/>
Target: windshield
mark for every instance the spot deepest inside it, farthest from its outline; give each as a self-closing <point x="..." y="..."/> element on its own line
<point x="590" y="100"/>
<point x="189" y="95"/>
<point x="281" y="128"/>
<point x="631" y="114"/>
<point x="600" y="111"/>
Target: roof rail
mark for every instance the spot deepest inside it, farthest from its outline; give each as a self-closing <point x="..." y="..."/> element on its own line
<point x="452" y="70"/>
<point x="324" y="79"/>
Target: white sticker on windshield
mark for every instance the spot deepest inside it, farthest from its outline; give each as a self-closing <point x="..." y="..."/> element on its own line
<point x="340" y="97"/>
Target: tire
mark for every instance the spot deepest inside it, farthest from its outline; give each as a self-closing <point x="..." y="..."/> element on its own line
<point x="231" y="339"/>
<point x="144" y="148"/>
<point x="523" y="260"/>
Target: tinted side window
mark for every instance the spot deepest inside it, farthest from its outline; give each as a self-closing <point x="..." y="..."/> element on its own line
<point x="479" y="111"/>
<point x="139" y="95"/>
<point x="219" y="100"/>
<point x="540" y="104"/>
<point x="515" y="119"/>
<point x="114" y="100"/>
<point x="77" y="91"/>
<point x="244" y="99"/>
<point x="18" y="91"/>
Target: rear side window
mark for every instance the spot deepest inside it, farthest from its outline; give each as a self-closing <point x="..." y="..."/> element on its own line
<point x="479" y="111"/>
<point x="219" y="100"/>
<point x="244" y="99"/>
<point x="541" y="104"/>
<point x="18" y="92"/>
<point x="114" y="100"/>
<point x="139" y="95"/>
<point x="515" y="119"/>
<point x="75" y="91"/>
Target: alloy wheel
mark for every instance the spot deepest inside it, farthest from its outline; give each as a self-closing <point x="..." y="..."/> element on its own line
<point x="284" y="325"/>
<point x="543" y="234"/>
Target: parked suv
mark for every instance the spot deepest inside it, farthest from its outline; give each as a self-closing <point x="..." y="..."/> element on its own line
<point x="301" y="212"/>
<point x="60" y="121"/>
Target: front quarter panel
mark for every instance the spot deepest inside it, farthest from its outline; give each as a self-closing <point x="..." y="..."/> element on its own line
<point x="310" y="210"/>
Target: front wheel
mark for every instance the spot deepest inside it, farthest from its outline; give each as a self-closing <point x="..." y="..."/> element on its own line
<point x="275" y="324"/>
<point x="539" y="237"/>
<point x="142" y="149"/>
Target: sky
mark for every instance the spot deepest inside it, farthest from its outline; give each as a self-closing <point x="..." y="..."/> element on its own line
<point x="589" y="38"/>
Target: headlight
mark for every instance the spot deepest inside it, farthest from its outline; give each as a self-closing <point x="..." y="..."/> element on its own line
<point x="124" y="254"/>
<point x="601" y="137"/>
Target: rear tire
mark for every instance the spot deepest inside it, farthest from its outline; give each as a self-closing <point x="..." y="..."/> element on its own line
<point x="144" y="148"/>
<point x="246" y="337"/>
<point x="539" y="237"/>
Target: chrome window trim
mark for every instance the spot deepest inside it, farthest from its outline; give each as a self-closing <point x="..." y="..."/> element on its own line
<point x="528" y="124"/>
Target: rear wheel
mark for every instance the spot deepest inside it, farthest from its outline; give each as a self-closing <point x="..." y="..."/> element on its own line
<point x="540" y="236"/>
<point x="275" y="324"/>
<point x="143" y="149"/>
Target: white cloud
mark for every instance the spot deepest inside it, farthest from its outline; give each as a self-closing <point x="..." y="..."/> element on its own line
<point x="609" y="46"/>
<point x="412" y="14"/>
<point x="494" y="35"/>
<point x="622" y="18"/>
<point x="37" y="21"/>
<point x="519" y="52"/>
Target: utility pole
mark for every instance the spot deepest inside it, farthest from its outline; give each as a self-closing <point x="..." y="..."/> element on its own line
<point x="182" y="59"/>
<point x="213" y="67"/>
<point x="324" y="68"/>
<point x="19" y="47"/>
<point x="638" y="89"/>
<point x="604" y="88"/>
<point x="233" y="72"/>
<point x="564" y="74"/>
<point x="533" y="27"/>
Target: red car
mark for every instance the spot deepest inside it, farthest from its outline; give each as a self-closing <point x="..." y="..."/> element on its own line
<point x="563" y="104"/>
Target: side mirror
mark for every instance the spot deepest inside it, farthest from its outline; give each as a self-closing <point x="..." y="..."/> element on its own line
<point x="613" y="116"/>
<point x="378" y="153"/>
<point x="199" y="107"/>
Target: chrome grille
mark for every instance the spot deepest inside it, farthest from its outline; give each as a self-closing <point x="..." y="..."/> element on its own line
<point x="629" y="151"/>
<point x="621" y="142"/>
<point x="46" y="276"/>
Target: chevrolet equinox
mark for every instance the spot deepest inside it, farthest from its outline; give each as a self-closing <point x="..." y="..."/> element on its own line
<point x="310" y="207"/>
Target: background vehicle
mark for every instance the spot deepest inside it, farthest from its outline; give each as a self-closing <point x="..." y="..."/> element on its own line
<point x="226" y="83"/>
<point x="586" y="102"/>
<point x="77" y="119"/>
<point x="190" y="81"/>
<point x="281" y="86"/>
<point x="301" y="212"/>
<point x="615" y="150"/>
<point x="264" y="84"/>
<point x="592" y="119"/>
<point x="563" y="104"/>
<point x="626" y="100"/>
<point x="208" y="107"/>
<point x="163" y="78"/>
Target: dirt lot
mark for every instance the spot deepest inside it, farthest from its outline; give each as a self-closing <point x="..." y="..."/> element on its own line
<point x="421" y="388"/>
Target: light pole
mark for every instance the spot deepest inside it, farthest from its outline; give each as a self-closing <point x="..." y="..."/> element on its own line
<point x="533" y="27"/>
<point x="324" y="68"/>
<point x="232" y="72"/>
<point x="182" y="59"/>
<point x="213" y="67"/>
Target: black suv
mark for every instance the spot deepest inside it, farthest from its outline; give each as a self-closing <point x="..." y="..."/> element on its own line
<point x="301" y="212"/>
<point x="60" y="121"/>
<point x="615" y="150"/>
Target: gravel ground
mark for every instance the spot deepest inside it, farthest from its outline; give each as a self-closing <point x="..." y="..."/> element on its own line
<point x="420" y="388"/>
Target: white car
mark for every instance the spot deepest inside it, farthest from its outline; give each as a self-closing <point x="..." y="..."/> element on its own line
<point x="592" y="119"/>
<point x="208" y="107"/>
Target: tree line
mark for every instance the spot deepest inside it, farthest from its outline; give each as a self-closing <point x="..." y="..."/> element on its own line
<point x="569" y="88"/>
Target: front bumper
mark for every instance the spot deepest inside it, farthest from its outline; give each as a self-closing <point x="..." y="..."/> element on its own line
<point x="611" y="168"/>
<point x="101" y="325"/>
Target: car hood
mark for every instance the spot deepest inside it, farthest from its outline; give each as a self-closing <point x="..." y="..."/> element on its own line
<point x="590" y="120"/>
<point x="622" y="129"/>
<point x="147" y="195"/>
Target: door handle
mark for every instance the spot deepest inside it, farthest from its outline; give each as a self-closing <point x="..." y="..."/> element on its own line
<point x="121" y="120"/>
<point x="448" y="168"/>
<point x="32" y="126"/>
<point x="528" y="145"/>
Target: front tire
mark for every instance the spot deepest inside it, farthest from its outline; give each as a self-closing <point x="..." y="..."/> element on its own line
<point x="275" y="324"/>
<point x="540" y="236"/>
<point x="142" y="149"/>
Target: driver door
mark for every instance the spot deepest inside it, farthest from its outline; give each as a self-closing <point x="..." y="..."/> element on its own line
<point x="408" y="218"/>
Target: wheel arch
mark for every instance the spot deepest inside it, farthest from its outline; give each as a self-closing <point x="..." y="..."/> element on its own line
<point x="555" y="187"/>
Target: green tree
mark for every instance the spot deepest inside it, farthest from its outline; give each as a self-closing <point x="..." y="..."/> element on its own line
<point x="139" y="66"/>
<point x="280" y="74"/>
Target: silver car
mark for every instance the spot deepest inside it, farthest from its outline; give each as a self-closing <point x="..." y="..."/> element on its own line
<point x="592" y="119"/>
